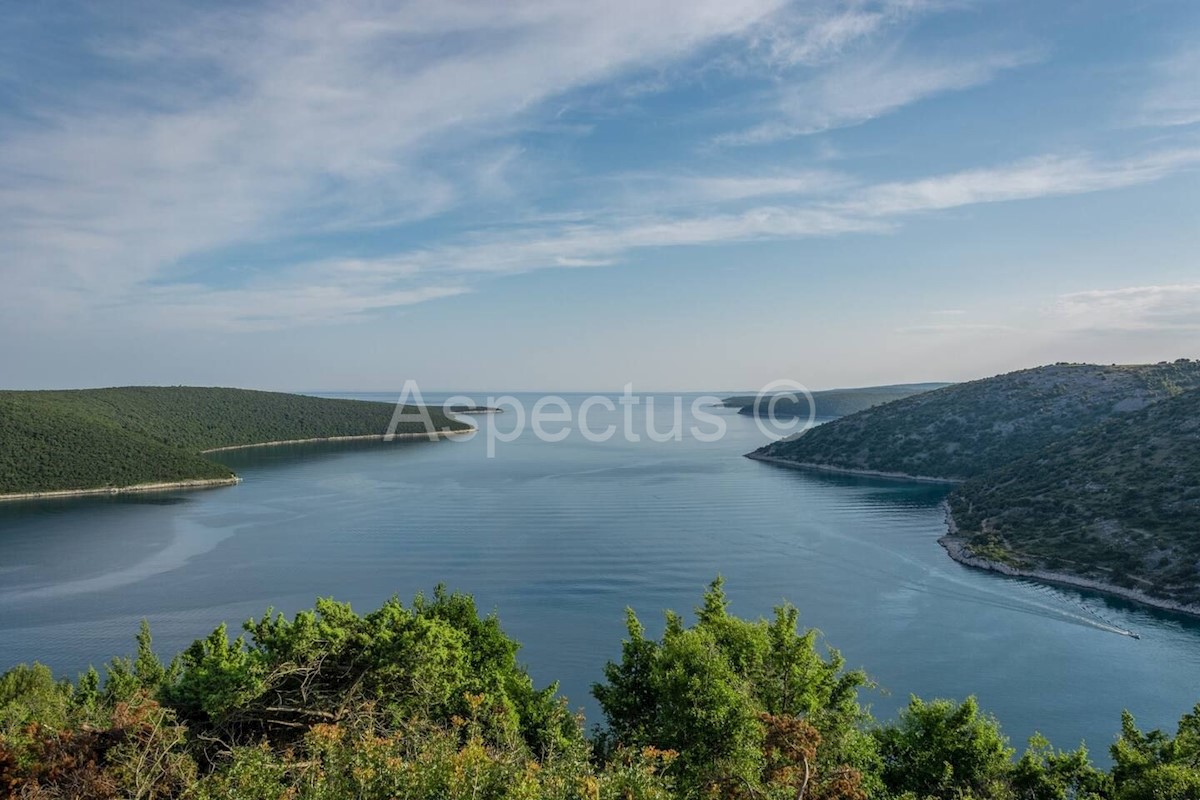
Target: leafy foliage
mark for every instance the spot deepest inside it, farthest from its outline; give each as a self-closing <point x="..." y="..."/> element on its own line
<point x="428" y="701"/>
<point x="717" y="691"/>
<point x="98" y="438"/>
<point x="944" y="750"/>
<point x="1155" y="766"/>
<point x="395" y="664"/>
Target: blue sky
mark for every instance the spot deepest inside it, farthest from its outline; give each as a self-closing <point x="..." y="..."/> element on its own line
<point x="566" y="195"/>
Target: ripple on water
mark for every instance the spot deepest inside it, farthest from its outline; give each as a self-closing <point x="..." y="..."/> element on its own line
<point x="560" y="540"/>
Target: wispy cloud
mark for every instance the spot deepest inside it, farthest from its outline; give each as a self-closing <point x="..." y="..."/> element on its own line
<point x="345" y="118"/>
<point x="950" y="328"/>
<point x="809" y="34"/>
<point x="603" y="242"/>
<point x="324" y="114"/>
<point x="871" y="209"/>
<point x="1174" y="97"/>
<point x="1041" y="177"/>
<point x="1134" y="308"/>
<point x="340" y="289"/>
<point x="674" y="191"/>
<point x="860" y="90"/>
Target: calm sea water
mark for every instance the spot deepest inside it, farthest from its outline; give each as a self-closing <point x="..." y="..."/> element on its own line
<point x="559" y="538"/>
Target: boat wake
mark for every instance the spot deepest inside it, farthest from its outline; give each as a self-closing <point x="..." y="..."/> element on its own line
<point x="1022" y="596"/>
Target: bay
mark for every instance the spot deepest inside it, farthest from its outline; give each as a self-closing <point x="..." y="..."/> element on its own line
<point x="559" y="537"/>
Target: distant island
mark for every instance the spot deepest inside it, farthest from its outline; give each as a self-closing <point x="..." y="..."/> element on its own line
<point x="474" y="410"/>
<point x="827" y="403"/>
<point x="138" y="438"/>
<point x="1072" y="473"/>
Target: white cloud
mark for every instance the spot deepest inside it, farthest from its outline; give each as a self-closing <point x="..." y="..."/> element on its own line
<point x="873" y="209"/>
<point x="1135" y="308"/>
<point x="955" y="328"/>
<point x="1042" y="177"/>
<point x="672" y="191"/>
<point x="819" y="31"/>
<point x="276" y="305"/>
<point x="859" y="90"/>
<point x="1174" y="99"/>
<point x="525" y="250"/>
<point x="812" y="33"/>
<point x="343" y="116"/>
<point x="324" y="114"/>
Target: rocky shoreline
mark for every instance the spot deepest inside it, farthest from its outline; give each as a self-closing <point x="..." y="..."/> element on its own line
<point x="166" y="486"/>
<point x="212" y="483"/>
<point x="378" y="437"/>
<point x="958" y="549"/>
<point x="866" y="473"/>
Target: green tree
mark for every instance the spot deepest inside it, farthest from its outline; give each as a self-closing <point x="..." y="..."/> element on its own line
<point x="397" y="664"/>
<point x="703" y="691"/>
<point x="1156" y="766"/>
<point x="1044" y="773"/>
<point x="943" y="749"/>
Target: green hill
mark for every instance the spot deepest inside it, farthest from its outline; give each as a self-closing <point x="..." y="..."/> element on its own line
<point x="967" y="429"/>
<point x="101" y="438"/>
<point x="1118" y="503"/>
<point x="1072" y="472"/>
<point x="830" y="402"/>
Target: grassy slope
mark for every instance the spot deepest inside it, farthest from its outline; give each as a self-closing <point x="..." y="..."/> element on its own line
<point x="833" y="402"/>
<point x="968" y="429"/>
<point x="93" y="438"/>
<point x="1118" y="503"/>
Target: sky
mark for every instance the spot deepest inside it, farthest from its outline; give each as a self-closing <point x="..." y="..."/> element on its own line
<point x="696" y="195"/>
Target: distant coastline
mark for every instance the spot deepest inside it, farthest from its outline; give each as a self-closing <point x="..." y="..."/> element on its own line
<point x="211" y="483"/>
<point x="83" y="440"/>
<point x="866" y="473"/>
<point x="959" y="550"/>
<point x="165" y="486"/>
<point x="378" y="437"/>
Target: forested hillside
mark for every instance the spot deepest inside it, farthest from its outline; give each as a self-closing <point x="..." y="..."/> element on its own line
<point x="48" y="448"/>
<point x="1118" y="502"/>
<point x="968" y="429"/>
<point x="1076" y="472"/>
<point x="429" y="701"/>
<point x="95" y="438"/>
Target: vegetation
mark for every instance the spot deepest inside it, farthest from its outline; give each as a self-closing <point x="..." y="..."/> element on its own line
<point x="741" y="702"/>
<point x="1087" y="471"/>
<point x="1118" y="503"/>
<point x="967" y="429"/>
<point x="47" y="449"/>
<point x="428" y="701"/>
<point x="829" y="402"/>
<point x="98" y="438"/>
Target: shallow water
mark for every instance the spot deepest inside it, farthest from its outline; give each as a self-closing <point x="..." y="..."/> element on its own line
<point x="559" y="538"/>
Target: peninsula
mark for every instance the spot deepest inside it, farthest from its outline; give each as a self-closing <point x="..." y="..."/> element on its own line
<point x="826" y="403"/>
<point x="1071" y="473"/>
<point x="144" y="438"/>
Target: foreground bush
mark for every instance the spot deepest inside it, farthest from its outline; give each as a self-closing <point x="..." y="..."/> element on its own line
<point x="428" y="701"/>
<point x="751" y="707"/>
